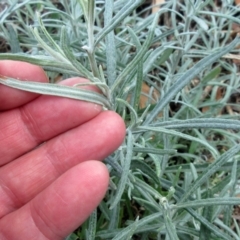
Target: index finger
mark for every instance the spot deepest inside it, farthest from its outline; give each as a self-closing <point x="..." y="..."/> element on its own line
<point x="12" y="98"/>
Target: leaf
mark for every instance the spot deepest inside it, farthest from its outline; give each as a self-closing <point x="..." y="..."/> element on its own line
<point x="132" y="65"/>
<point x="73" y="236"/>
<point x="202" y="24"/>
<point x="211" y="170"/>
<point x="47" y="62"/>
<point x="124" y="12"/>
<point x="154" y="150"/>
<point x="111" y="53"/>
<point x="84" y="6"/>
<point x="56" y="90"/>
<point x="127" y="234"/>
<point x="125" y="173"/>
<point x="170" y="227"/>
<point x="13" y="39"/>
<point x="92" y="225"/>
<point x="187" y="77"/>
<point x="212" y="123"/>
<point x="211" y="227"/>
<point x="208" y="202"/>
<point x="143" y="167"/>
<point x="181" y="135"/>
<point x="71" y="58"/>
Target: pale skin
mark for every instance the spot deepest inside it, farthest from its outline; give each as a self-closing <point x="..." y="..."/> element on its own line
<point x="51" y="176"/>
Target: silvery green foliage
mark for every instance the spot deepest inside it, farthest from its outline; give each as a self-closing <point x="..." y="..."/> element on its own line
<point x="176" y="174"/>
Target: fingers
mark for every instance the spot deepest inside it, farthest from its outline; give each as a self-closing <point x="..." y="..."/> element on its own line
<point x="40" y="120"/>
<point x="11" y="98"/>
<point x="24" y="178"/>
<point x="60" y="208"/>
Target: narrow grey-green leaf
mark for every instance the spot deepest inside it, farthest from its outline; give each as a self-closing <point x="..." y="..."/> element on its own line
<point x="71" y="58"/>
<point x="214" y="123"/>
<point x="221" y="15"/>
<point x="13" y="39"/>
<point x="140" y="224"/>
<point x="125" y="173"/>
<point x="111" y="53"/>
<point x="202" y="24"/>
<point x="215" y="230"/>
<point x="47" y="62"/>
<point x="128" y="232"/>
<point x="154" y="150"/>
<point x="115" y="217"/>
<point x="138" y="88"/>
<point x="208" y="202"/>
<point x="200" y="167"/>
<point x="84" y="6"/>
<point x="211" y="75"/>
<point x="227" y="229"/>
<point x="92" y="225"/>
<point x="73" y="236"/>
<point x="125" y="11"/>
<point x="57" y="55"/>
<point x="132" y="65"/>
<point x="51" y="42"/>
<point x="211" y="169"/>
<point x="182" y="135"/>
<point x="135" y="38"/>
<point x="187" y="77"/>
<point x="14" y="6"/>
<point x="171" y="230"/>
<point x="146" y="169"/>
<point x="207" y="213"/>
<point x="56" y="90"/>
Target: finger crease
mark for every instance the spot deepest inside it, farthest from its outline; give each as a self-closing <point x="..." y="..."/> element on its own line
<point x="41" y="222"/>
<point x="29" y="123"/>
<point x="14" y="202"/>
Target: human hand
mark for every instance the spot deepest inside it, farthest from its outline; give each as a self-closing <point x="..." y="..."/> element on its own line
<point x="50" y="181"/>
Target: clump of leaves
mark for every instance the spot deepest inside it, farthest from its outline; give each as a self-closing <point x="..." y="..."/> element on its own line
<point x="171" y="75"/>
